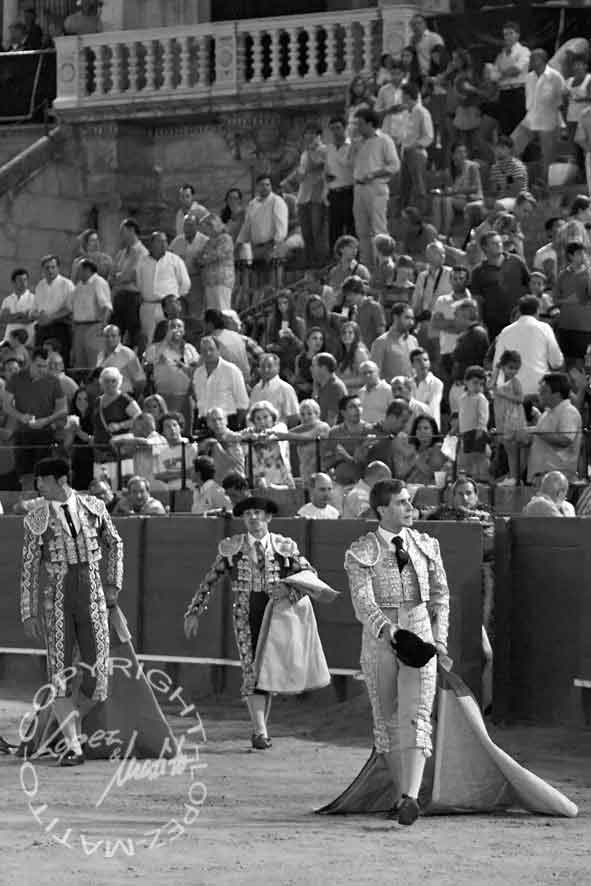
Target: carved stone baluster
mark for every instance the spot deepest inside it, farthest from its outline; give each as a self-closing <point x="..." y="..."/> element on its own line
<point x="150" y="66"/>
<point x="116" y="68"/>
<point x="205" y="66"/>
<point x="168" y="64"/>
<point x="185" y="60"/>
<point x="99" y="70"/>
<point x="367" y="47"/>
<point x="133" y="47"/>
<point x="83" y="69"/>
<point x="331" y="51"/>
<point x="275" y="37"/>
<point x="257" y="57"/>
<point x="294" y="55"/>
<point x="349" y="49"/>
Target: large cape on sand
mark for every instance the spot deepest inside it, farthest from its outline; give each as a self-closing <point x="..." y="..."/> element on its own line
<point x="467" y="773"/>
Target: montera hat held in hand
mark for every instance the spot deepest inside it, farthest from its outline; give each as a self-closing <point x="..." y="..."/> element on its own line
<point x="255" y="503"/>
<point x="411" y="650"/>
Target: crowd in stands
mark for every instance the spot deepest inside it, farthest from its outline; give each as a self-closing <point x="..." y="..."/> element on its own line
<point x="26" y="34"/>
<point x="380" y="312"/>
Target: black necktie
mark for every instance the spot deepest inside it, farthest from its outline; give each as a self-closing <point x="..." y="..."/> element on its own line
<point x="69" y="520"/>
<point x="402" y="557"/>
<point x="260" y="555"/>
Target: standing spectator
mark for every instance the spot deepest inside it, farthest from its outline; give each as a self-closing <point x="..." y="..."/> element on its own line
<point x="390" y="105"/>
<point x="91" y="308"/>
<point x="546" y="257"/>
<point x="114" y="415"/>
<point x="172" y="363"/>
<point x="35" y="401"/>
<point x="265" y="224"/>
<point x="392" y="446"/>
<point x="231" y="344"/>
<point x="431" y="283"/>
<point x="498" y="283"/>
<point x="556" y="439"/>
<point x="417" y="233"/>
<point x="218" y="383"/>
<point x="424" y="41"/>
<point x="342" y="453"/>
<point x="428" y="389"/>
<point x="465" y="189"/>
<point x="578" y="93"/>
<point x="189" y="206"/>
<point x="512" y="66"/>
<point x="409" y="60"/>
<point x="317" y="316"/>
<point x="572" y="294"/>
<point x="124" y="282"/>
<point x="55" y="367"/>
<point x="339" y="176"/>
<point x="472" y="343"/>
<point x="391" y="351"/>
<point x="217" y="259"/>
<point x="33" y="33"/>
<point x="305" y="435"/>
<point x="376" y="161"/>
<point x="159" y="274"/>
<point x="357" y="306"/>
<point x="360" y="96"/>
<point x="119" y="356"/>
<point x="16" y="308"/>
<point x="139" y="500"/>
<point x="79" y="437"/>
<point x="189" y="246"/>
<point x="303" y="382"/>
<point x="173" y="461"/>
<point x="443" y="321"/>
<point x="583" y="142"/>
<point x="270" y="464"/>
<point x="90" y="248"/>
<point x="473" y="416"/>
<point x="223" y="446"/>
<point x="544" y="91"/>
<point x="328" y="389"/>
<point x="310" y="175"/>
<point x="403" y="389"/>
<point x="376" y="394"/>
<point x="575" y="230"/>
<point x="233" y="212"/>
<point x="508" y="174"/>
<point x="346" y="253"/>
<point x="8" y="476"/>
<point x="510" y="418"/>
<point x="272" y="389"/>
<point x="52" y="305"/>
<point x="285" y="332"/>
<point x="418" y="136"/>
<point x="352" y="353"/>
<point x="319" y="506"/>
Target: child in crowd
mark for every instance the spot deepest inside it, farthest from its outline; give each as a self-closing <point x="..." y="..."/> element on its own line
<point x="538" y="286"/>
<point x="473" y="415"/>
<point x="509" y="413"/>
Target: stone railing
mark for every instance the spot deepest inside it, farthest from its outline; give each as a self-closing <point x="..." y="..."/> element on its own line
<point x="207" y="61"/>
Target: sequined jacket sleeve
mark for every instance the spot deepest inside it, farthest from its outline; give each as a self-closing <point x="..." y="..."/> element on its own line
<point x="32" y="554"/>
<point x="198" y="604"/>
<point x="438" y="604"/>
<point x="360" y="574"/>
<point x="113" y="549"/>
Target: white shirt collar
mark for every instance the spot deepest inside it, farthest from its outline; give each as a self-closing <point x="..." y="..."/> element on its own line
<point x="387" y="536"/>
<point x="265" y="540"/>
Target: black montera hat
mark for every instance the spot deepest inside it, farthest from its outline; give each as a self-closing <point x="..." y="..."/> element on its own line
<point x="255" y="503"/>
<point x="52" y="467"/>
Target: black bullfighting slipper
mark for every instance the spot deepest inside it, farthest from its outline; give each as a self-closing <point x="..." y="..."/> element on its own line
<point x="408" y="811"/>
<point x="71" y="758"/>
<point x="261" y="742"/>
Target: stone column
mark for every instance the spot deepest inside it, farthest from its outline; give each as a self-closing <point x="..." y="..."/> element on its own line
<point x="396" y="18"/>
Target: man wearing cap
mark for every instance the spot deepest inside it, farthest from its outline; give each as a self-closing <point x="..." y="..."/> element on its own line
<point x="257" y="562"/>
<point x="67" y="533"/>
<point x="91" y="309"/>
<point x="397" y="581"/>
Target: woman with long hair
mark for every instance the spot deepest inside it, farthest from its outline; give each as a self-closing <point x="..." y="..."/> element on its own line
<point x="352" y="353"/>
<point x="90" y="247"/>
<point x="79" y="438"/>
<point x="317" y="314"/>
<point x="424" y="436"/>
<point x="464" y="186"/>
<point x="285" y="333"/>
<point x="409" y="60"/>
<point x="314" y="343"/>
<point x="359" y="95"/>
<point x="347" y="264"/>
<point x="233" y="212"/>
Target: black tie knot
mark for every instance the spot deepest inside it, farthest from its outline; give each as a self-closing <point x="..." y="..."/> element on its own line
<point x="69" y="520"/>
<point x="402" y="557"/>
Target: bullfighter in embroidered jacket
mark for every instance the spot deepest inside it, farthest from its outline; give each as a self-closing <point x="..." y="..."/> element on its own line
<point x="66" y="534"/>
<point x="257" y="563"/>
<point x="397" y="580"/>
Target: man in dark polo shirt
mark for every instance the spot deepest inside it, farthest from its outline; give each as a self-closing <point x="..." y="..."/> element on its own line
<point x="36" y="400"/>
<point x="329" y="390"/>
<point x="473" y="342"/>
<point x="498" y="283"/>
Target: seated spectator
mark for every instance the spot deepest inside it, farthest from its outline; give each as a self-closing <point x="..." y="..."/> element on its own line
<point x="285" y="333"/>
<point x="352" y="353"/>
<point x="155" y="405"/>
<point x="418" y="234"/>
<point x="171" y="364"/>
<point x="341" y="452"/>
<point x="428" y="388"/>
<point x="556" y="439"/>
<point x="314" y="343"/>
<point x="17" y="37"/>
<point x="8" y="424"/>
<point x="424" y="436"/>
<point x="383" y="285"/>
<point x="101" y="488"/>
<point x="572" y="294"/>
<point x="402" y="389"/>
<point x="390" y="444"/>
<point x="173" y="461"/>
<point x="509" y="413"/>
<point x="236" y="487"/>
<point x="90" y="248"/>
<point x="473" y="416"/>
<point x="311" y="428"/>
<point x="538" y="287"/>
<point x="254" y="351"/>
<point x="328" y="389"/>
<point x="122" y="358"/>
<point x="356" y="501"/>
<point x="208" y="495"/>
<point x="318" y="316"/>
<point x="138" y="501"/>
<point x="145" y="445"/>
<point x="376" y="394"/>
<point x="222" y="445"/>
<point x="508" y="174"/>
<point x="273" y="389"/>
<point x="464" y="187"/>
<point x="391" y="351"/>
<point x="113" y="418"/>
<point x="434" y="282"/>
<point x="218" y="382"/>
<point x="356" y="306"/>
<point x="16" y="308"/>
<point x="270" y="463"/>
<point x="550" y="499"/>
<point x="546" y="257"/>
<point x="575" y="230"/>
<point x="319" y="507"/>
<point x="346" y="253"/>
<point x="79" y="438"/>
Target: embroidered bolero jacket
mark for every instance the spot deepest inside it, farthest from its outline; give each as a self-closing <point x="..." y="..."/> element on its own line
<point x="282" y="558"/>
<point x="375" y="580"/>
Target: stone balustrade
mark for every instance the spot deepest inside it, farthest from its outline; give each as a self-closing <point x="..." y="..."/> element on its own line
<point x="208" y="61"/>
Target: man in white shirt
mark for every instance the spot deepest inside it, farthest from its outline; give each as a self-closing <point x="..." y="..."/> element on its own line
<point x="189" y="245"/>
<point x="356" y="502"/>
<point x="266" y="225"/>
<point x="15" y="310"/>
<point x="428" y="389"/>
<point x="159" y="274"/>
<point x="219" y="384"/>
<point x="534" y="341"/>
<point x="544" y="95"/>
<point x="311" y="199"/>
<point x="319" y="507"/>
<point x="443" y="319"/>
<point x="511" y="68"/>
<point x="375" y="162"/>
<point x="122" y="358"/>
<point x="339" y="176"/>
<point x="556" y="439"/>
<point x="231" y="344"/>
<point x="208" y="495"/>
<point x="52" y="305"/>
<point x="376" y="394"/>
<point x="91" y="308"/>
<point x="418" y="136"/>
<point x="546" y="257"/>
<point x="188" y="205"/>
<point x="275" y="390"/>
<point x="424" y="41"/>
